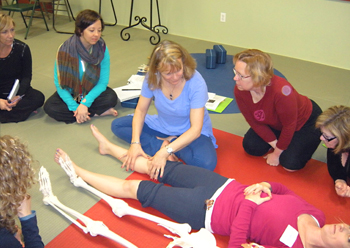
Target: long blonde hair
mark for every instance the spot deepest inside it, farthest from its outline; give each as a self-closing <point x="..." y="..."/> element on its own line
<point x="167" y="54"/>
<point x="16" y="176"/>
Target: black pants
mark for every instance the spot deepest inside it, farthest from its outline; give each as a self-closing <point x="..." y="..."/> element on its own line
<point x="56" y="108"/>
<point x="184" y="202"/>
<point x="303" y="144"/>
<point x="32" y="100"/>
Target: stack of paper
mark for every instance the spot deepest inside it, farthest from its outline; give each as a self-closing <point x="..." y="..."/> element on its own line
<point x="217" y="103"/>
<point x="214" y="101"/>
<point x="131" y="90"/>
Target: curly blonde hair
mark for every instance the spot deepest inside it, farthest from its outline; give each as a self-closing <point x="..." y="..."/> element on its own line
<point x="16" y="176"/>
<point x="167" y="53"/>
<point x="259" y="65"/>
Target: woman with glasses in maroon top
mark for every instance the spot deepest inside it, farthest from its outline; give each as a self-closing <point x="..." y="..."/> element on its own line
<point x="281" y="120"/>
<point x="334" y="124"/>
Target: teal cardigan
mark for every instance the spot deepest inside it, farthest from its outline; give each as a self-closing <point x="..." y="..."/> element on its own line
<point x="100" y="87"/>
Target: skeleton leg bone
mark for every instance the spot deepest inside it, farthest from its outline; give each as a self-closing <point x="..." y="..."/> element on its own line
<point x="120" y="207"/>
<point x="93" y="227"/>
<point x="203" y="238"/>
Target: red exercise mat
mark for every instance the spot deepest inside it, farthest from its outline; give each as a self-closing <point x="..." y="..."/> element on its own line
<point x="313" y="183"/>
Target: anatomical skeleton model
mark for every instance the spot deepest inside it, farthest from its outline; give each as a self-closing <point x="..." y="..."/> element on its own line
<point x="201" y="239"/>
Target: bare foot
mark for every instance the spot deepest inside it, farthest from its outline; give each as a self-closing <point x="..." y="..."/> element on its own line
<point x="103" y="142"/>
<point x="110" y="111"/>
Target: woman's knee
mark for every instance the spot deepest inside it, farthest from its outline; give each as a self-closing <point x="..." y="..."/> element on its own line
<point x="252" y="148"/>
<point x="119" y="123"/>
<point x="130" y="188"/>
<point x="292" y="163"/>
<point x="111" y="97"/>
<point x="209" y="163"/>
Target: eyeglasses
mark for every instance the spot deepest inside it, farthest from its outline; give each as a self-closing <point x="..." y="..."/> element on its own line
<point x="241" y="76"/>
<point x="327" y="138"/>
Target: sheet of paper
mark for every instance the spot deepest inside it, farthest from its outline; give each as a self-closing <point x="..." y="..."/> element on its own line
<point x="14" y="90"/>
<point x="131" y="90"/>
<point x="214" y="101"/>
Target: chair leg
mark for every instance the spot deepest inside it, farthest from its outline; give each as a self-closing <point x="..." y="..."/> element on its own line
<point x="30" y="23"/>
<point x="31" y="18"/>
<point x="65" y="2"/>
<point x="42" y="13"/>
<point x="24" y="20"/>
<point x="45" y="9"/>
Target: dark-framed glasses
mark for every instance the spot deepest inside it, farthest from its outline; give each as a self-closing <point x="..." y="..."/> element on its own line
<point x="329" y="139"/>
<point x="241" y="76"/>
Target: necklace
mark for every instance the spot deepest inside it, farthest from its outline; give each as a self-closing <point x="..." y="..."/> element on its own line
<point x="171" y="93"/>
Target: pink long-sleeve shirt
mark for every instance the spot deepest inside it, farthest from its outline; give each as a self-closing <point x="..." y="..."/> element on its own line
<point x="264" y="224"/>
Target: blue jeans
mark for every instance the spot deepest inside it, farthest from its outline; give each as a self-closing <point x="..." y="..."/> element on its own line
<point x="184" y="202"/>
<point x="201" y="152"/>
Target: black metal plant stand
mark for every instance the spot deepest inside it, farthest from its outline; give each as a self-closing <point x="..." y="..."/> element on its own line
<point x="154" y="39"/>
<point x="115" y="17"/>
<point x="69" y="10"/>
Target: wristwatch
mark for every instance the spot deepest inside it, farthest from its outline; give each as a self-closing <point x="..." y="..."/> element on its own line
<point x="169" y="149"/>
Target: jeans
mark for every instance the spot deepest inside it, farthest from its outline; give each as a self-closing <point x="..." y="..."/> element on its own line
<point x="200" y="152"/>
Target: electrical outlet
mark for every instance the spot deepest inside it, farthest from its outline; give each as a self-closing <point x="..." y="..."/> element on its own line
<point x="223" y="17"/>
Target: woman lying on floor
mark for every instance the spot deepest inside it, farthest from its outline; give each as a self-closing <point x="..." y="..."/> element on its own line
<point x="264" y="213"/>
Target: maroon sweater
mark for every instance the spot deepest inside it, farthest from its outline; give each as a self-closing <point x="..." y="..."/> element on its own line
<point x="281" y="108"/>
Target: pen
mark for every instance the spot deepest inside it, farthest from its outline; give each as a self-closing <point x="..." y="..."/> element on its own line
<point x="129" y="89"/>
<point x="17" y="99"/>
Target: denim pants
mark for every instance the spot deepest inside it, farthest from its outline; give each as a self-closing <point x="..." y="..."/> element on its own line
<point x="201" y="152"/>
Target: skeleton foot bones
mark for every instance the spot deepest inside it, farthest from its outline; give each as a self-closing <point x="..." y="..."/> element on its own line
<point x="201" y="239"/>
<point x="93" y="227"/>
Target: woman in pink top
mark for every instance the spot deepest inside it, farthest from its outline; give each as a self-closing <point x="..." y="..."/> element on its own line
<point x="265" y="213"/>
<point x="280" y="119"/>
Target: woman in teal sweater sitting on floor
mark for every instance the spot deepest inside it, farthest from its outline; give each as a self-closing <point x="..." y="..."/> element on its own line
<point x="82" y="73"/>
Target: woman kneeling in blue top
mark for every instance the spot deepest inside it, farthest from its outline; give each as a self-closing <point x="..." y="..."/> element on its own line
<point x="82" y="73"/>
<point x="182" y="129"/>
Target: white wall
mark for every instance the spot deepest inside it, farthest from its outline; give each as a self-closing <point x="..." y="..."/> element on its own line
<point x="311" y="30"/>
